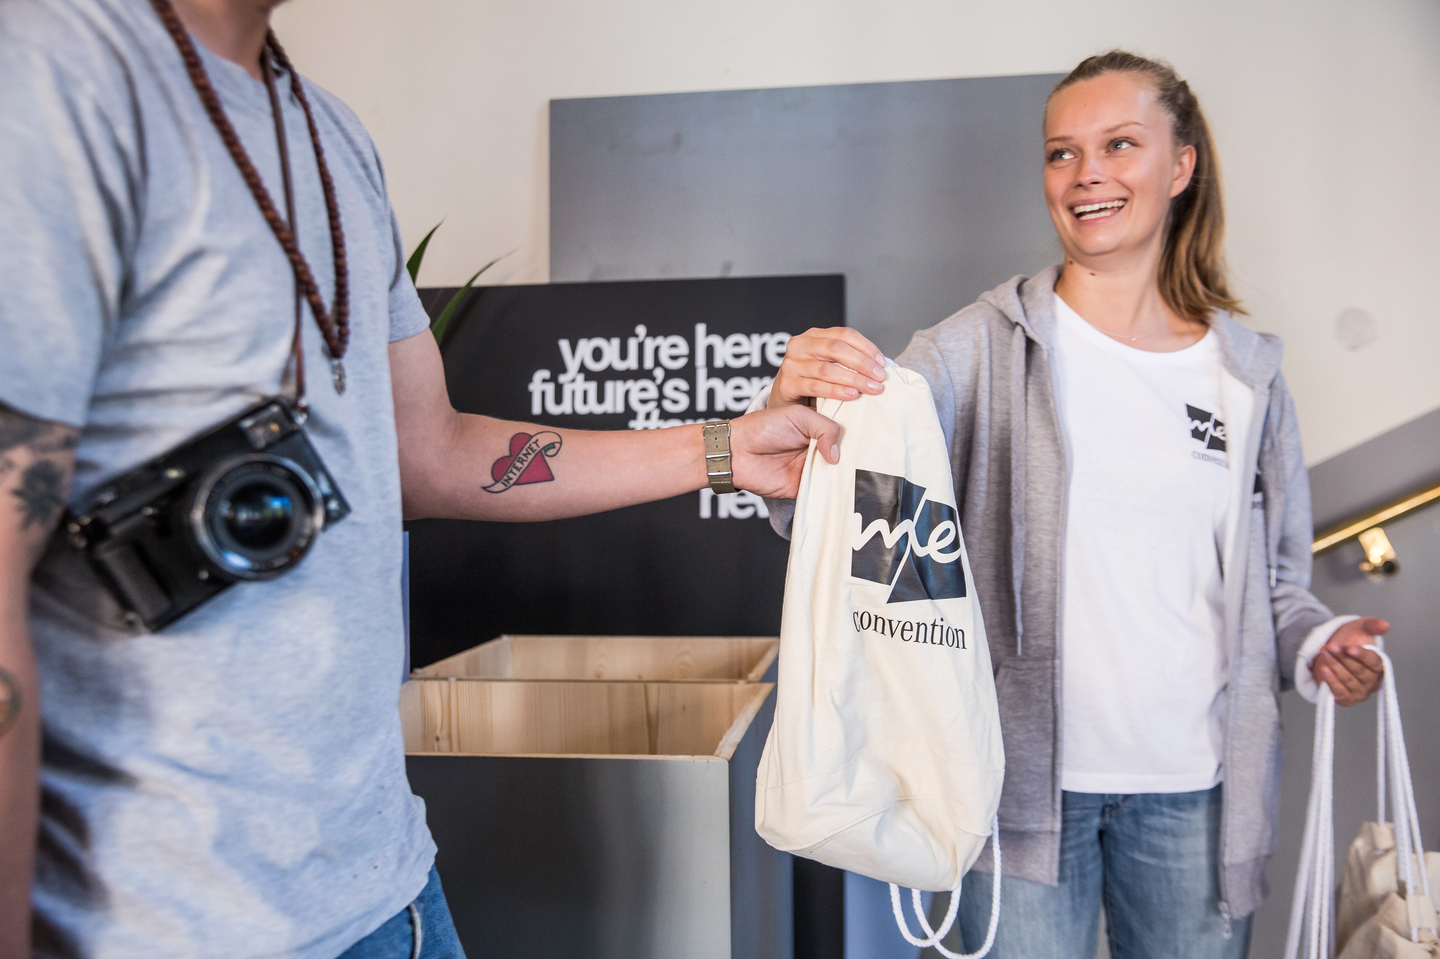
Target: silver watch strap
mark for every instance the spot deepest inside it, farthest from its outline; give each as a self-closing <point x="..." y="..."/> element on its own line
<point x="717" y="456"/>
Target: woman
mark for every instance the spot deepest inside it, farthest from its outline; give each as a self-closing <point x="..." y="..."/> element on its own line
<point x="1137" y="514"/>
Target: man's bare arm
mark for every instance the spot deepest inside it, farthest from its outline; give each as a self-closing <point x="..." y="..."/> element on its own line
<point x="36" y="460"/>
<point x="478" y="467"/>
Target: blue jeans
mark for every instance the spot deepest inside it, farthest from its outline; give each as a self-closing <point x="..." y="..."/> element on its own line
<point x="1152" y="861"/>
<point x="422" y="930"/>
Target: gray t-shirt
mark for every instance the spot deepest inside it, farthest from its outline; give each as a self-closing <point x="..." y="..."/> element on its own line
<point x="234" y="785"/>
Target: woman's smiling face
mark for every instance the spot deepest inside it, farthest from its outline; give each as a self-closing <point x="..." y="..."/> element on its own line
<point x="1111" y="167"/>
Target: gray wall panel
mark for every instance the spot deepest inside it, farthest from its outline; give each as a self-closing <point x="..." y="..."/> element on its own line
<point x="925" y="194"/>
<point x="1377" y="472"/>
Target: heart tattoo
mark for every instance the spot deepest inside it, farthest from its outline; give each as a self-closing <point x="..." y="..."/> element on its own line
<point x="526" y="462"/>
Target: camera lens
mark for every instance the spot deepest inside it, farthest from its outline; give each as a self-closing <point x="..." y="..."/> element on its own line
<point x="259" y="515"/>
<point x="256" y="516"/>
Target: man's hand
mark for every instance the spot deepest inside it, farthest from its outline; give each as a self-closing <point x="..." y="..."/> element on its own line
<point x="767" y="448"/>
<point x="836" y="363"/>
<point x="1351" y="671"/>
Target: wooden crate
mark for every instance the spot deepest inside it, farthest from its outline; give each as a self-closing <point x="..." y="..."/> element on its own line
<point x="612" y="658"/>
<point x="482" y="717"/>
<point x="606" y="819"/>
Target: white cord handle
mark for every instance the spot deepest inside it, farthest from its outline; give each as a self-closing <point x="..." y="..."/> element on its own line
<point x="936" y="935"/>
<point x="1311" y="922"/>
<point x="1311" y="919"/>
<point x="1409" y="846"/>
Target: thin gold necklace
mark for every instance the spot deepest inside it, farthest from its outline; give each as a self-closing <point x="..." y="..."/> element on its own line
<point x="1121" y="336"/>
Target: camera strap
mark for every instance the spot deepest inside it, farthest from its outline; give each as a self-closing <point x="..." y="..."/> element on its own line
<point x="297" y="343"/>
<point x="334" y="326"/>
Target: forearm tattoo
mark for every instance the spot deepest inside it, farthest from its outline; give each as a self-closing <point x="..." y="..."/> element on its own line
<point x="34" y="469"/>
<point x="9" y="701"/>
<point x="526" y="461"/>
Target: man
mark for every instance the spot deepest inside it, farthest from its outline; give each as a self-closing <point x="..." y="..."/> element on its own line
<point x="232" y="784"/>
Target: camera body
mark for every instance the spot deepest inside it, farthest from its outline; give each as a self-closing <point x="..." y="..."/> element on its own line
<point x="244" y="501"/>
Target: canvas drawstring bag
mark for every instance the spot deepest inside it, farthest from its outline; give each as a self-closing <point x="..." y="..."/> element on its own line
<point x="885" y="755"/>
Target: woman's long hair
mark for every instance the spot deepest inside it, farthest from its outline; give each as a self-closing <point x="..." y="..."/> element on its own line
<point x="1192" y="265"/>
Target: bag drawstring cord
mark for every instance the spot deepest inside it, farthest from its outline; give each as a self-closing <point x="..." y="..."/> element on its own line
<point x="953" y="911"/>
<point x="1409" y="847"/>
<point x="417" y="930"/>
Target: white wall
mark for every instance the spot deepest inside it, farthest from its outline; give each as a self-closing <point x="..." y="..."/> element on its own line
<point x="1327" y="114"/>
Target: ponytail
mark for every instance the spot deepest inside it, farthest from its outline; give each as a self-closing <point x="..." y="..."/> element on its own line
<point x="1192" y="266"/>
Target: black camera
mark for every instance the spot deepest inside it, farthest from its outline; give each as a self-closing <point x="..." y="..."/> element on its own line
<point x="244" y="501"/>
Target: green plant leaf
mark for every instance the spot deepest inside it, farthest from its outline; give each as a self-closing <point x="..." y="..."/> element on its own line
<point x="413" y="264"/>
<point x="443" y="320"/>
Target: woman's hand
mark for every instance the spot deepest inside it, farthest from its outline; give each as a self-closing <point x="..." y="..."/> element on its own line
<point x="1351" y="671"/>
<point x="836" y="363"/>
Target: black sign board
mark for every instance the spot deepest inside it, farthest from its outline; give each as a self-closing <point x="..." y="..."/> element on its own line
<point x="602" y="356"/>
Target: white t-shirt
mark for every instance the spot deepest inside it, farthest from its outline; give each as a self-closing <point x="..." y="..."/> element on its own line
<point x="1143" y="667"/>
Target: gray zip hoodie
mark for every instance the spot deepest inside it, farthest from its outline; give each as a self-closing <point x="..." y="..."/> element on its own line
<point x="989" y="369"/>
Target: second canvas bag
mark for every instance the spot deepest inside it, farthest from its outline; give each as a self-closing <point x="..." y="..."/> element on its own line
<point x="885" y="755"/>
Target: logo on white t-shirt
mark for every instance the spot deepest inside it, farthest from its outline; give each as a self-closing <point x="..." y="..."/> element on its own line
<point x="1205" y="428"/>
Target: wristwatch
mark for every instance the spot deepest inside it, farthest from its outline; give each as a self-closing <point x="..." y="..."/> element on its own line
<point x="717" y="456"/>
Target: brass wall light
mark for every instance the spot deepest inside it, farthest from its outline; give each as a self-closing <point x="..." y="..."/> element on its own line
<point x="1379" y="554"/>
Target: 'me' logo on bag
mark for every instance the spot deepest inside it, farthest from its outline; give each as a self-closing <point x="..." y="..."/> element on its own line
<point x="904" y="541"/>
